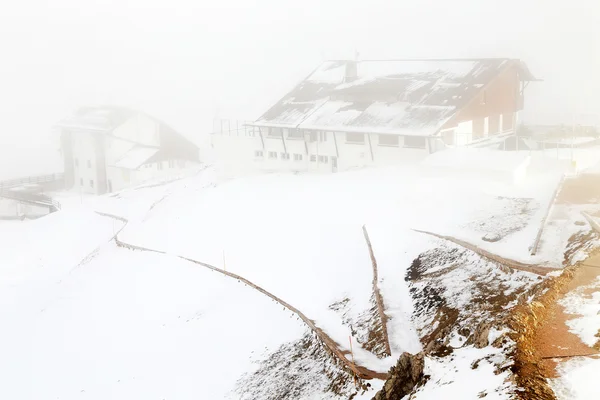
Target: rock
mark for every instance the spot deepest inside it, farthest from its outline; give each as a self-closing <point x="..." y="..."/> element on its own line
<point x="479" y="338"/>
<point x="403" y="377"/>
<point x="491" y="237"/>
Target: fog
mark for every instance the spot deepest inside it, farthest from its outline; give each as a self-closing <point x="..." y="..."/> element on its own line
<point x="189" y="61"/>
<point x="403" y="223"/>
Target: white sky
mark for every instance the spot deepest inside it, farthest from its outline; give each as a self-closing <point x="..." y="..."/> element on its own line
<point x="184" y="61"/>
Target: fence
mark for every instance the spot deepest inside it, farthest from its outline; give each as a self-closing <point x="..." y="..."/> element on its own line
<point x="234" y="127"/>
<point x="37" y="199"/>
<point x="39" y="179"/>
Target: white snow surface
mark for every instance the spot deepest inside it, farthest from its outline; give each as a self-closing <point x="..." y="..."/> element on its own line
<point x="578" y="379"/>
<point x="125" y="324"/>
<point x="457" y="379"/>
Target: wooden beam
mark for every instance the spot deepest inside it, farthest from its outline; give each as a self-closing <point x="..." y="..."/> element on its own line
<point x="283" y="141"/>
<point x="337" y="152"/>
<point x="262" y="139"/>
<point x="370" y="146"/>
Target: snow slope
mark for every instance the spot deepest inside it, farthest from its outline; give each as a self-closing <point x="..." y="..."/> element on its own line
<point x="300" y="234"/>
<point x="138" y="325"/>
<point x="126" y="324"/>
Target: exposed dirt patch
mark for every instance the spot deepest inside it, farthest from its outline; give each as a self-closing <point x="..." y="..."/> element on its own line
<point x="299" y="369"/>
<point x="540" y="331"/>
<point x="459" y="294"/>
<point x="511" y="216"/>
<point x="366" y="328"/>
<point x="580" y="243"/>
<point x="554" y="339"/>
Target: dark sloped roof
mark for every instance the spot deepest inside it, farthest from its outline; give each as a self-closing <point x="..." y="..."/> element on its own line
<point x="413" y="97"/>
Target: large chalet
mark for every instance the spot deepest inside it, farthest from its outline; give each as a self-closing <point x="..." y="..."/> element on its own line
<point x="353" y="113"/>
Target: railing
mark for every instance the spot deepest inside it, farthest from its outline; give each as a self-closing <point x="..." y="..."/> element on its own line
<point x="31" y="198"/>
<point x="11" y="183"/>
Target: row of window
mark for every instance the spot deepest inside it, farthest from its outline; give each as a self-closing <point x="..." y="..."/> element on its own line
<point x="273" y="155"/>
<point x="351" y="137"/>
<point x="89" y="163"/>
<point x="91" y="182"/>
<point x="311" y="136"/>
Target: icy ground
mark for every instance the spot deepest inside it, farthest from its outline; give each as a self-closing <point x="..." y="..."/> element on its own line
<point x="85" y="319"/>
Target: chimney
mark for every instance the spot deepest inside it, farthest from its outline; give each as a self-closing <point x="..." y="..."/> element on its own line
<point x="351" y="71"/>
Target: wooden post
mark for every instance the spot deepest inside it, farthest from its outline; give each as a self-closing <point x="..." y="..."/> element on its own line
<point x="337" y="152"/>
<point x="283" y="141"/>
<point x="370" y="146"/>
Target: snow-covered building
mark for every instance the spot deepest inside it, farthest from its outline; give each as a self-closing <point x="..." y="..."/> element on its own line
<point x="349" y="114"/>
<point x="106" y="149"/>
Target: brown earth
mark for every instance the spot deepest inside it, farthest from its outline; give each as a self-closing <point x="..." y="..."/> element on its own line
<point x="553" y="340"/>
<point x="541" y="331"/>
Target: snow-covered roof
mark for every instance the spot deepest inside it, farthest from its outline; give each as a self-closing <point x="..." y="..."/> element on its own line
<point x="102" y="119"/>
<point x="411" y="97"/>
<point x="136" y="157"/>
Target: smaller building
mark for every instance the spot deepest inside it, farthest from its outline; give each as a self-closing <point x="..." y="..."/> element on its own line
<point x="348" y="114"/>
<point x="106" y="149"/>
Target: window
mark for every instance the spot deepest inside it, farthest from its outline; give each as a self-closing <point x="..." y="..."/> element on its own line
<point x="91" y="183"/>
<point x="273" y="155"/>
<point x="494" y="124"/>
<point x="416" y="142"/>
<point x="297" y="157"/>
<point x="323" y="159"/>
<point x="77" y="162"/>
<point x="478" y="128"/>
<point x="448" y="137"/>
<point x="311" y="136"/>
<point x="275" y="132"/>
<point x="388" y="140"/>
<point x="507" y="122"/>
<point x="258" y="153"/>
<point x="322" y="136"/>
<point x="294" y="134"/>
<point x="89" y="164"/>
<point x="313" y="158"/>
<point x="353" y="137"/>
<point x="80" y="181"/>
<point x="285" y="156"/>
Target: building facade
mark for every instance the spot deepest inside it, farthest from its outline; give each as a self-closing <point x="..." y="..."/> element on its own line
<point x="106" y="149"/>
<point x="349" y="114"/>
